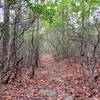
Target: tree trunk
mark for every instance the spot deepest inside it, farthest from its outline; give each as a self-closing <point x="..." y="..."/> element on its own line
<point x="5" y="32"/>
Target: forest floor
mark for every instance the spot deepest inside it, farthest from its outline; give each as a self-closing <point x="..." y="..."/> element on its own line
<point x="52" y="81"/>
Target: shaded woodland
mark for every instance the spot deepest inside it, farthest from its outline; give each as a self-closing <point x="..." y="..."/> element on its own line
<point x="58" y="38"/>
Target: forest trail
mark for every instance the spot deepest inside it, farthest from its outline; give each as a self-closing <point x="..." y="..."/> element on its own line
<point x="52" y="81"/>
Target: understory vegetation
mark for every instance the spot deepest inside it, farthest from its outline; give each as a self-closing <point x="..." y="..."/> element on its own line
<point x="52" y="37"/>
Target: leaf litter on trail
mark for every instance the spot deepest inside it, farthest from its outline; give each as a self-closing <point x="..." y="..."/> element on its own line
<point x="52" y="81"/>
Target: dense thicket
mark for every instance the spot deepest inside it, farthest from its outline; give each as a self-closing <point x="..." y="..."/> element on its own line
<point x="66" y="28"/>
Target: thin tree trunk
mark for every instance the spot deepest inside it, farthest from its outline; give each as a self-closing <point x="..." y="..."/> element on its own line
<point x="5" y="32"/>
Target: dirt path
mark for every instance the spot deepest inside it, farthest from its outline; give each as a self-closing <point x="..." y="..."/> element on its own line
<point x="52" y="81"/>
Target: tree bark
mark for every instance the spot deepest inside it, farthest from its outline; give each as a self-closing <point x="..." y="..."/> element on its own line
<point x="6" y="34"/>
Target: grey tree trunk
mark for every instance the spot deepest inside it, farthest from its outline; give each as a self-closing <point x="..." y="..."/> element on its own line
<point x="5" y="32"/>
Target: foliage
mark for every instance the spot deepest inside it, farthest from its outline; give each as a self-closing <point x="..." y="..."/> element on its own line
<point x="66" y="25"/>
